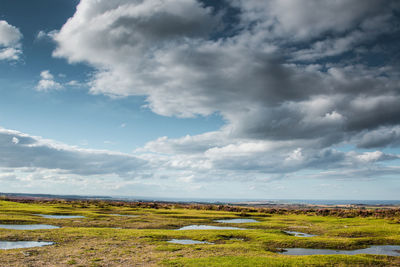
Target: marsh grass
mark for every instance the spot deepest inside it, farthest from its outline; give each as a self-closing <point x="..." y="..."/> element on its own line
<point x="142" y="241"/>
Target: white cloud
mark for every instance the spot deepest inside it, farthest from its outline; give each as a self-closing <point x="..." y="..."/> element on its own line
<point x="47" y="82"/>
<point x="48" y="85"/>
<point x="74" y="83"/>
<point x="206" y="158"/>
<point x="10" y="54"/>
<point x="282" y="113"/>
<point x="10" y="37"/>
<point x="46" y="75"/>
<point x="15" y="140"/>
<point x="42" y="35"/>
<point x="186" y="73"/>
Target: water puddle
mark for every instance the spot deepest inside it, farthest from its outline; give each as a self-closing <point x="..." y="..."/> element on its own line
<point x="377" y="250"/>
<point x="124" y="215"/>
<point x="237" y="221"/>
<point x="28" y="226"/>
<point x="298" y="234"/>
<point x="59" y="216"/>
<point x="187" y="242"/>
<point x="209" y="227"/>
<point x="22" y="244"/>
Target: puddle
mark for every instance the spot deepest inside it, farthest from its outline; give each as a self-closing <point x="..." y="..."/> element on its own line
<point x="28" y="226"/>
<point x="377" y="250"/>
<point x="123" y="215"/>
<point x="298" y="234"/>
<point x="59" y="216"/>
<point x="22" y="244"/>
<point x="237" y="221"/>
<point x="209" y="227"/>
<point x="187" y="242"/>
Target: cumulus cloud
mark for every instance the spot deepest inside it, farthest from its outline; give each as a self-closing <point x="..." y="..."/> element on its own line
<point x="276" y="78"/>
<point x="10" y="37"/>
<point x="21" y="151"/>
<point x="47" y="82"/>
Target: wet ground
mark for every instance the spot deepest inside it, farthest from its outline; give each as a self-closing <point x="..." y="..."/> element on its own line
<point x="377" y="250"/>
<point x="237" y="221"/>
<point x="209" y="227"/>
<point x="299" y="234"/>
<point x="187" y="242"/>
<point x="22" y="244"/>
<point x="59" y="216"/>
<point x="28" y="226"/>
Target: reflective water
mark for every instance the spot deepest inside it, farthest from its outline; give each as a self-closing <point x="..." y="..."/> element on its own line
<point x="209" y="227"/>
<point x="187" y="241"/>
<point x="28" y="226"/>
<point x="377" y="250"/>
<point x="22" y="244"/>
<point x="60" y="216"/>
<point x="237" y="221"/>
<point x="299" y="234"/>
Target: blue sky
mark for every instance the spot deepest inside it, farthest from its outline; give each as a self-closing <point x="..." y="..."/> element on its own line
<point x="190" y="98"/>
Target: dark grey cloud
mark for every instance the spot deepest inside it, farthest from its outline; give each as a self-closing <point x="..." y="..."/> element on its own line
<point x="379" y="138"/>
<point x="250" y="81"/>
<point x="284" y="74"/>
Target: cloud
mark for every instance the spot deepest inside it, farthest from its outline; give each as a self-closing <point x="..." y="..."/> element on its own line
<point x="46" y="75"/>
<point x="21" y="151"/>
<point x="47" y="82"/>
<point x="381" y="137"/>
<point x="10" y="37"/>
<point x="7" y="177"/>
<point x="287" y="80"/>
<point x="42" y="35"/>
<point x="297" y="20"/>
<point x="245" y="77"/>
<point x="74" y="83"/>
<point x="218" y="156"/>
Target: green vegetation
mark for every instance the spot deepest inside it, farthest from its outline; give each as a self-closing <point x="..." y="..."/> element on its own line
<point x="97" y="239"/>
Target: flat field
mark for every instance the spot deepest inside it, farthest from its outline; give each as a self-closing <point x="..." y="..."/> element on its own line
<point x="103" y="238"/>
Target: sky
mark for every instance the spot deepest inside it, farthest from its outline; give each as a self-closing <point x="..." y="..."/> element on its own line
<point x="238" y="99"/>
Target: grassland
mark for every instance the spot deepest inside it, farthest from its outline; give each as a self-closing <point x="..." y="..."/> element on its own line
<point x="103" y="239"/>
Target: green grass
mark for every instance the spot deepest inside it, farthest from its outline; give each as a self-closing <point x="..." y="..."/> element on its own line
<point x="95" y="241"/>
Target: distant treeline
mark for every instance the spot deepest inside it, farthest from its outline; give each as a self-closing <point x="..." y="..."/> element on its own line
<point x="393" y="213"/>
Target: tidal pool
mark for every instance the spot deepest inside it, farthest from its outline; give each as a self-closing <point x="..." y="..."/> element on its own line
<point x="59" y="216"/>
<point x="209" y="227"/>
<point x="187" y="242"/>
<point x="377" y="250"/>
<point x="23" y="244"/>
<point x="299" y="234"/>
<point x="237" y="221"/>
<point x="28" y="226"/>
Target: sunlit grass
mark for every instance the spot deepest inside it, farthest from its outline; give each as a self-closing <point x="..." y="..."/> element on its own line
<point x="96" y="241"/>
